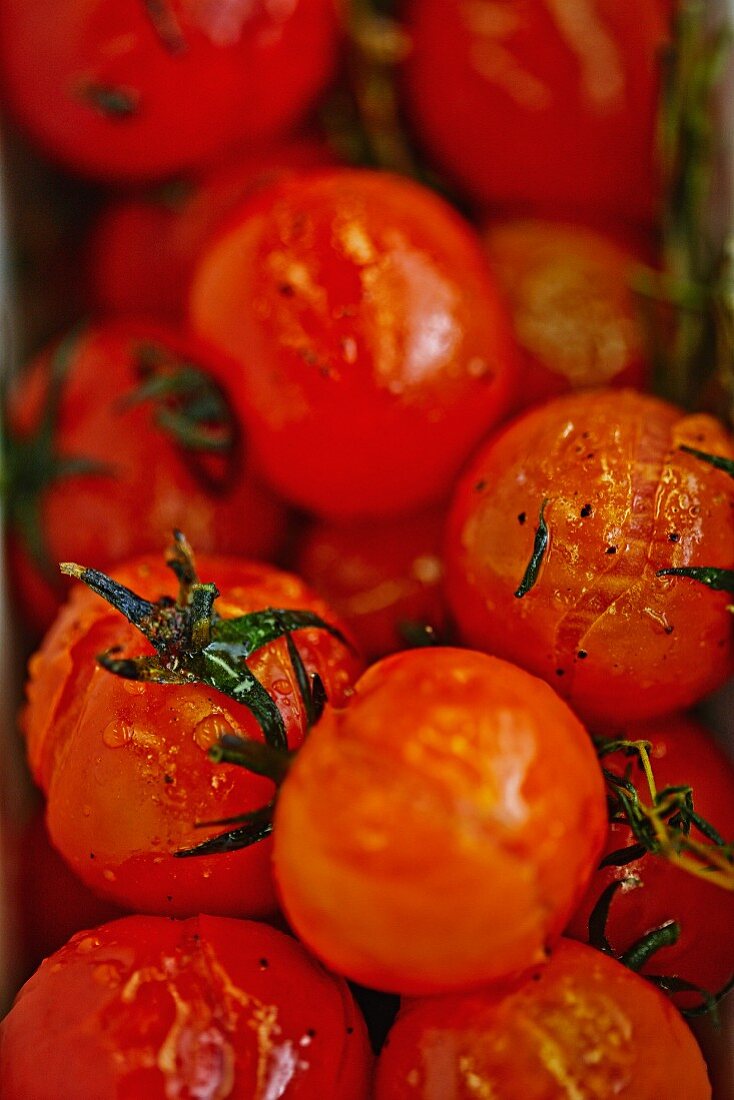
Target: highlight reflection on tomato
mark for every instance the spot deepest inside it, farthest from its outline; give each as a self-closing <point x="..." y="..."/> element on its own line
<point x="146" y="1008"/>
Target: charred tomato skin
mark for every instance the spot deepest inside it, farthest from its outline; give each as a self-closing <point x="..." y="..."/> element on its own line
<point x="371" y="349"/>
<point x="465" y="814"/>
<point x="615" y="638"/>
<point x="581" y="1025"/>
<point x="124" y="764"/>
<point x="153" y="1008"/>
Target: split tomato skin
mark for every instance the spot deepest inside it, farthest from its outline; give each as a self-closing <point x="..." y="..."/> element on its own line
<point x="137" y="91"/>
<point x="124" y="764"/>
<point x="574" y="313"/>
<point x="682" y="753"/>
<point x="540" y="107"/>
<point x="380" y="578"/>
<point x="153" y="1008"/>
<point x="125" y="275"/>
<point x="465" y="814"/>
<point x="617" y="640"/>
<point x="146" y="476"/>
<point x="583" y="1025"/>
<point x="364" y="323"/>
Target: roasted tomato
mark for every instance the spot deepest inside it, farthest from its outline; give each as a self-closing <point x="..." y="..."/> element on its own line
<point x="575" y="316"/>
<point x="542" y="105"/>
<point x="123" y="761"/>
<point x="652" y="892"/>
<point x="137" y="90"/>
<point x="465" y="813"/>
<point x="116" y="434"/>
<point x="126" y="275"/>
<point x="372" y="351"/>
<point x="563" y="533"/>
<point x="146" y="1008"/>
<point x="582" y="1026"/>
<point x="383" y="579"/>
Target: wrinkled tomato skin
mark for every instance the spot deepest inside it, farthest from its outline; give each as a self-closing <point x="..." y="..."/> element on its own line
<point x="466" y="812"/>
<point x="616" y="640"/>
<point x="124" y="764"/>
<point x="683" y="753"/>
<point x="583" y="1025"/>
<point x="541" y="106"/>
<point x="148" y="482"/>
<point x="183" y="86"/>
<point x="379" y="577"/>
<point x="372" y="350"/>
<point x="126" y="275"/>
<point x="149" y="1008"/>
<point x="575" y="317"/>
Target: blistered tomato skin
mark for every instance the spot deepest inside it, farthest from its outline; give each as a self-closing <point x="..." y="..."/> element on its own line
<point x="144" y="463"/>
<point x="575" y="317"/>
<point x="542" y="106"/>
<point x="372" y="350"/>
<point x="125" y="275"/>
<point x="124" y="764"/>
<point x="582" y="1026"/>
<point x="615" y="638"/>
<point x="139" y="90"/>
<point x="146" y="1008"/>
<point x="465" y="814"/>
<point x="654" y="892"/>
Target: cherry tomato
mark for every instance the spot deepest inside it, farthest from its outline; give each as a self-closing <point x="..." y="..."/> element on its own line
<point x="383" y="579"/>
<point x="146" y="1008"/>
<point x="582" y="1026"/>
<point x="372" y="351"/>
<point x="124" y="763"/>
<point x="117" y="434"/>
<point x="569" y="291"/>
<point x="542" y="105"/>
<point x="465" y="812"/>
<point x="653" y="891"/>
<point x="137" y="90"/>
<point x="126" y="275"/>
<point x="577" y="597"/>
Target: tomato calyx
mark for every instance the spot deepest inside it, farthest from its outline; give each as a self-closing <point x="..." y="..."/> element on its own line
<point x="663" y="826"/>
<point x="166" y="26"/>
<point x="32" y="463"/>
<point x="194" y="645"/>
<point x="540" y="546"/>
<point x="113" y="101"/>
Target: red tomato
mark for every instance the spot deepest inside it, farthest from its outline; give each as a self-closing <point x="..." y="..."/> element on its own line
<point x="575" y="316"/>
<point x="175" y="458"/>
<point x="126" y="275"/>
<point x="372" y="351"/>
<point x="582" y="1026"/>
<point x="146" y="1008"/>
<point x="141" y="88"/>
<point x="682" y="753"/>
<point x="124" y="764"/>
<point x="381" y="578"/>
<point x="615" y="638"/>
<point x="542" y="105"/>
<point x="436" y="833"/>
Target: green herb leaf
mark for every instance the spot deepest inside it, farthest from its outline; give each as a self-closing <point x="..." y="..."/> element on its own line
<point x="540" y="547"/>
<point x="719" y="463"/>
<point x="720" y="580"/>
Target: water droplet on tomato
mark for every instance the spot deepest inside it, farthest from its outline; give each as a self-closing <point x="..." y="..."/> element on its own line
<point x="86" y="810"/>
<point x="116" y="734"/>
<point x="208" y="731"/>
<point x="282" y="687"/>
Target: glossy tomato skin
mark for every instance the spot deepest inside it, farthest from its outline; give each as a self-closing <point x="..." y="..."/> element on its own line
<point x="124" y="764"/>
<point x="541" y="105"/>
<point x="583" y="1025"/>
<point x="150" y="1008"/>
<point x="575" y="316"/>
<point x="380" y="578"/>
<point x="465" y="813"/>
<point x="615" y="639"/>
<point x="134" y="90"/>
<point x="372" y="349"/>
<point x="126" y="275"/>
<point x="146" y="480"/>
<point x="682" y="753"/>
